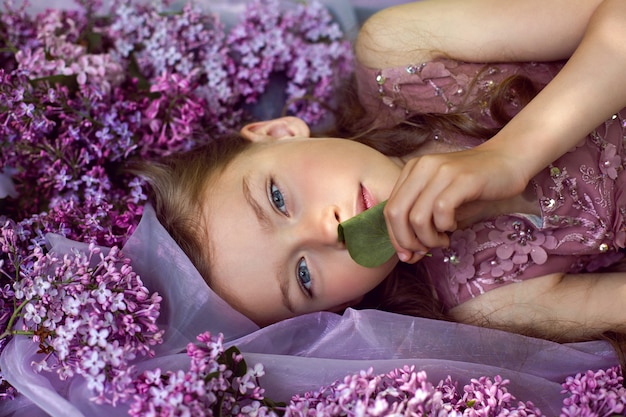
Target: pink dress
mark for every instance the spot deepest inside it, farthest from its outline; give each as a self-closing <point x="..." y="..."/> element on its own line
<point x="581" y="195"/>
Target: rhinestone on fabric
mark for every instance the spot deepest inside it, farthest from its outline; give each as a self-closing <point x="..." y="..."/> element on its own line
<point x="414" y="69"/>
<point x="453" y="259"/>
<point x="555" y="172"/>
<point x="549" y="203"/>
<point x="554" y="219"/>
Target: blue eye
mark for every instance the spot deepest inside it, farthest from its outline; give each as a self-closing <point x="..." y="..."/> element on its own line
<point x="304" y="277"/>
<point x="277" y="198"/>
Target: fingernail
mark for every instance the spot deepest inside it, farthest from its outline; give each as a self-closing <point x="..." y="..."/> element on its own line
<point x="403" y="256"/>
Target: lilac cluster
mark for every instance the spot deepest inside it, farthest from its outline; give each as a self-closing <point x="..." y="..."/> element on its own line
<point x="299" y="41"/>
<point x="61" y="50"/>
<point x="169" y="50"/>
<point x="81" y="94"/>
<point x="16" y="29"/>
<point x="597" y="394"/>
<point x="220" y="382"/>
<point x="64" y="144"/>
<point x="88" y="311"/>
<point x="217" y="383"/>
<point x="407" y="392"/>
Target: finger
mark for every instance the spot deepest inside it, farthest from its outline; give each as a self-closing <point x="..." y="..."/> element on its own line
<point x="401" y="234"/>
<point x="398" y="205"/>
<point x="450" y="199"/>
<point x="400" y="185"/>
<point x="415" y="257"/>
<point x="400" y="229"/>
<point x="420" y="218"/>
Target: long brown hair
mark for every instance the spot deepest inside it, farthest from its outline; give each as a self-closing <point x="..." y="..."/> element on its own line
<point x="178" y="188"/>
<point x="355" y="123"/>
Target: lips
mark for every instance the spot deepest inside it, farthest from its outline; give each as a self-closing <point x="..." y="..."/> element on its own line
<point x="365" y="200"/>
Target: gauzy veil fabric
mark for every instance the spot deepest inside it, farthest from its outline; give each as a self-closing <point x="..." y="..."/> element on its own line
<point x="305" y="352"/>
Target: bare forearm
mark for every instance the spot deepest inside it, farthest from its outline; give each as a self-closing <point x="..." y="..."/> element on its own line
<point x="589" y="89"/>
<point x="474" y="31"/>
<point x="557" y="306"/>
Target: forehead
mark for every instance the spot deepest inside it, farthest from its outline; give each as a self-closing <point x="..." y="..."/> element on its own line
<point x="244" y="262"/>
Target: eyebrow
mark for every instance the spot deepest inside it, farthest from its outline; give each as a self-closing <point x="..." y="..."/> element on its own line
<point x="264" y="221"/>
<point x="260" y="214"/>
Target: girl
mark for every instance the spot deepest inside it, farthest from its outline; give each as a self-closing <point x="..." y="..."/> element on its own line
<point x="517" y="227"/>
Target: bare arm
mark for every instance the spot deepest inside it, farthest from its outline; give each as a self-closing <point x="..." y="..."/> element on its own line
<point x="474" y="31"/>
<point x="558" y="306"/>
<point x="589" y="89"/>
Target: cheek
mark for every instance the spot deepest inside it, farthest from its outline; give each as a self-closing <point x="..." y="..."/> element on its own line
<point x="358" y="281"/>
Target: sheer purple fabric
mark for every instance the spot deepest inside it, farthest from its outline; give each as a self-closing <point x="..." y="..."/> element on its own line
<point x="304" y="352"/>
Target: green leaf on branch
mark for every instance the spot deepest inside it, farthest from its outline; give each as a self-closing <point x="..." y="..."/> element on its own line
<point x="366" y="237"/>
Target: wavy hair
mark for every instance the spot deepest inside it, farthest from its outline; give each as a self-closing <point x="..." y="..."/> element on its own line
<point x="179" y="185"/>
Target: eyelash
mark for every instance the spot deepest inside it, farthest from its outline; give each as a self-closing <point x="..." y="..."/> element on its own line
<point x="305" y="283"/>
<point x="274" y="195"/>
<point x="303" y="275"/>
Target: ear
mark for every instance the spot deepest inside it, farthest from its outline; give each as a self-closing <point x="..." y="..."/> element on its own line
<point x="275" y="129"/>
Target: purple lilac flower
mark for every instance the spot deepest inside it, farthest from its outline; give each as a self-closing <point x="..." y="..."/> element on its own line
<point x="178" y="78"/>
<point x="88" y="311"/>
<point x="91" y="133"/>
<point x="17" y="28"/>
<point x="167" y="48"/>
<point x="407" y="392"/>
<point x="302" y="42"/>
<point x="217" y="383"/>
<point x="598" y="394"/>
<point x="59" y="52"/>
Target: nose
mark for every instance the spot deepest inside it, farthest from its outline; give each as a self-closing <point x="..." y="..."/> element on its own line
<point x="321" y="228"/>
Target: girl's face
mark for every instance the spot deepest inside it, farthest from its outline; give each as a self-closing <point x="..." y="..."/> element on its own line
<point x="272" y="218"/>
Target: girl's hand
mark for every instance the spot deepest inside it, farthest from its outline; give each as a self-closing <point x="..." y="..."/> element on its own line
<point x="431" y="189"/>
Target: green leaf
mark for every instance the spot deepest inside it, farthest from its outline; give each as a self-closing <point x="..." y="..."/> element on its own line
<point x="239" y="369"/>
<point x="68" y="81"/>
<point x="366" y="237"/>
<point x="134" y="71"/>
<point x="94" y="42"/>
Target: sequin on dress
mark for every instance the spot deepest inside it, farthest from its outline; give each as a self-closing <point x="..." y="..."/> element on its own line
<point x="581" y="195"/>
